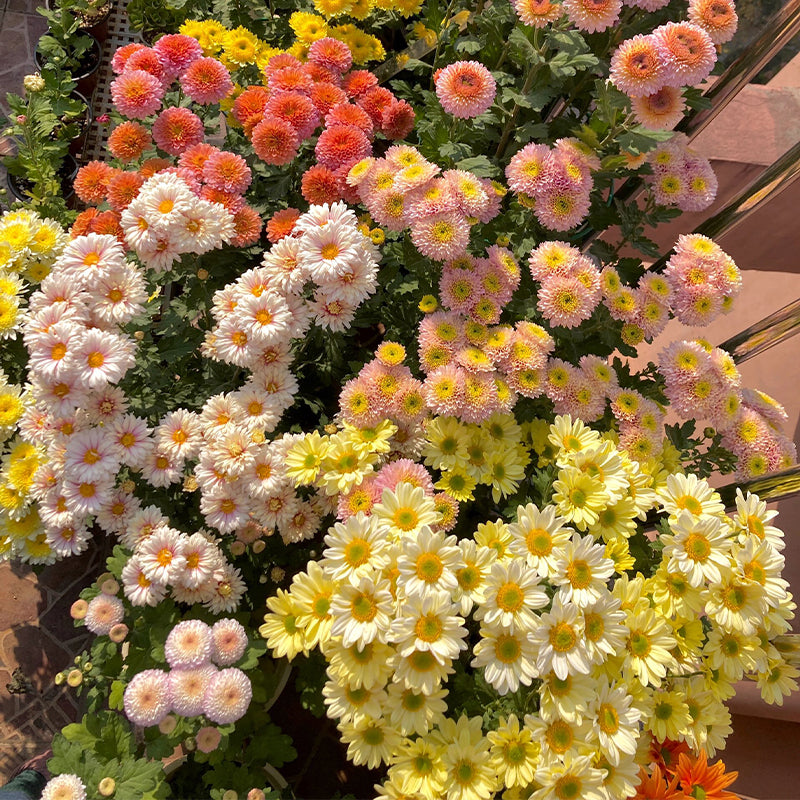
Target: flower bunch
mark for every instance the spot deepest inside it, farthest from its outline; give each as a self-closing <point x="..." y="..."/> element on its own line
<point x="28" y="247"/>
<point x="555" y="181"/>
<point x="405" y="190"/>
<point x="704" y="382"/>
<point x="390" y="601"/>
<point x="681" y="177"/>
<point x="299" y="97"/>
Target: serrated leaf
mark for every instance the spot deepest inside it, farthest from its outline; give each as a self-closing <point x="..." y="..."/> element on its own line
<point x="115" y="695"/>
<point x="479" y="165"/>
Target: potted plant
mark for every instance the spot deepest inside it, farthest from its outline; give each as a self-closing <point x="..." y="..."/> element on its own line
<point x="43" y="123"/>
<point x="153" y="19"/>
<point x="91" y="14"/>
<point x="67" y="48"/>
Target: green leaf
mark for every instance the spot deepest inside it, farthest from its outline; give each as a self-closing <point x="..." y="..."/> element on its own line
<point x="479" y="165"/>
<point x="115" y="695"/>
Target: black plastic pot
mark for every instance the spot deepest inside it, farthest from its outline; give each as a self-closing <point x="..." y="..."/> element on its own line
<point x="76" y="145"/>
<point x="86" y="74"/>
<point x="68" y="171"/>
<point x="97" y="25"/>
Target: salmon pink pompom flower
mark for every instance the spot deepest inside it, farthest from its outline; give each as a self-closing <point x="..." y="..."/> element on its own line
<point x="147" y="59"/>
<point x="357" y="82"/>
<point x="331" y="54"/>
<point x="342" y="144"/>
<point x="247" y="226"/>
<point x="297" y="109"/>
<point x="194" y="158"/>
<point x="441" y="237"/>
<point x="227" y="172"/>
<point x="123" y="189"/>
<point x="326" y="96"/>
<point x="177" y="128"/>
<point x="687" y="50"/>
<point x="319" y="185"/>
<point x="128" y="141"/>
<point x="206" y="81"/>
<point x="120" y="58"/>
<point x="282" y="224"/>
<point x="177" y="52"/>
<point x="717" y="18"/>
<point x="593" y="16"/>
<point x="527" y="168"/>
<point x="465" y="89"/>
<point x="638" y="67"/>
<point x="275" y="141"/>
<point x="248" y="108"/>
<point x="91" y="182"/>
<point x="375" y="101"/>
<point x="349" y="114"/>
<point x="137" y="94"/>
<point x="662" y="110"/>
<point x="398" y="120"/>
<point x="537" y="13"/>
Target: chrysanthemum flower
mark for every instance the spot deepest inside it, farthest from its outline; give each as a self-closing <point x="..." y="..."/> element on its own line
<point x="319" y="185"/>
<point x="91" y="182"/>
<point x="148" y="60"/>
<point x="123" y="189"/>
<point x="188" y="644"/>
<point x="538" y="13"/>
<point x="717" y="17"/>
<point x="122" y="55"/>
<point x="326" y="97"/>
<point x="564" y="301"/>
<point x="687" y="51"/>
<point x="177" y="52"/>
<point x="465" y="89"/>
<point x="176" y="129"/>
<point x="332" y="54"/>
<point x="398" y="120"/>
<point x="229" y="641"/>
<point x="137" y="94"/>
<point x="64" y="787"/>
<point x="342" y="145"/>
<point x="275" y="141"/>
<point x="561" y="210"/>
<point x="187" y="689"/>
<point x="638" y="67"/>
<point x="281" y="224"/>
<point x="441" y="236"/>
<point x="661" y="110"/>
<point x="248" y="108"/>
<point x="103" y="613"/>
<point x="206" y="81"/>
<point x="593" y="15"/>
<point x="228" y="696"/>
<point x="147" y="698"/>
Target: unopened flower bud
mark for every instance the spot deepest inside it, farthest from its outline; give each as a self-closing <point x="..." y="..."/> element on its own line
<point x="709" y="432"/>
<point x="237" y="548"/>
<point x="202" y="274"/>
<point x="106" y="787"/>
<point x="109" y="586"/>
<point x="259" y="545"/>
<point x="60" y="678"/>
<point x="103" y="119"/>
<point x="118" y="632"/>
<point x="277" y="574"/>
<point x="168" y="724"/>
<point x="21" y="119"/>
<point x="208" y="739"/>
<point x="127" y="486"/>
<point x="87" y="666"/>
<point x="230" y="794"/>
<point x="33" y="83"/>
<point x="138" y="335"/>
<point x="74" y="678"/>
<point x="78" y="609"/>
<point x="256" y="794"/>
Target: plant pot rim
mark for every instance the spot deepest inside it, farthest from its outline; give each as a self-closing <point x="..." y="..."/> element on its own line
<point x="88" y="24"/>
<point x="96" y="48"/>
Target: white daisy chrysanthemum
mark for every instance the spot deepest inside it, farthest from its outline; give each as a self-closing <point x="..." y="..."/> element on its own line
<point x="512" y="594"/>
<point x="135" y="225"/>
<point x="113" y="516"/>
<point x="368" y="665"/>
<point x="429" y="623"/>
<point x="333" y="314"/>
<point x="361" y="612"/>
<point x="581" y="571"/>
<point x="568" y="698"/>
<point x="570" y="437"/>
<point x="318" y="216"/>
<point x="326" y="250"/>
<point x="472" y="576"/>
<point x="428" y="563"/>
<point x="226" y="590"/>
<point x="277" y="507"/>
<point x="603" y="461"/>
<point x="59" y="396"/>
<point x="60" y="295"/>
<point x="604" y="632"/>
<point x="507" y="657"/>
<point x="369" y="741"/>
<point x="691" y="494"/>
<point x="569" y="777"/>
<point x="276" y="383"/>
<point x="759" y="562"/>
<point x="403" y="511"/>
<point x="87" y="497"/>
<point x="101" y="357"/>
<point x="353" y="284"/>
<point x="160" y="254"/>
<point x="615" y="721"/>
<point x="348" y="704"/>
<point x="265" y="318"/>
<point x="558" y="641"/>
<point x="160" y="469"/>
<point x="355" y="548"/>
<point x="91" y="453"/>
<point x="224" y="508"/>
<point x="258" y="411"/>
<point x="420" y="671"/>
<point x="414" y="712"/>
<point x="538" y="537"/>
<point x="282" y="271"/>
<point x="118" y="295"/>
<point x="106" y="405"/>
<point x="47" y="351"/>
<point x="202" y="558"/>
<point x="648" y="651"/>
<point x="141" y="525"/>
<point x="205" y="227"/>
<point x="88" y="257"/>
<point x="165" y="199"/>
<point x="133" y="438"/>
<point x="698" y="547"/>
<point x="737" y="604"/>
<point x="752" y="518"/>
<point x="161" y="555"/>
<point x="233" y="341"/>
<point x="138" y="588"/>
<point x="179" y="434"/>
